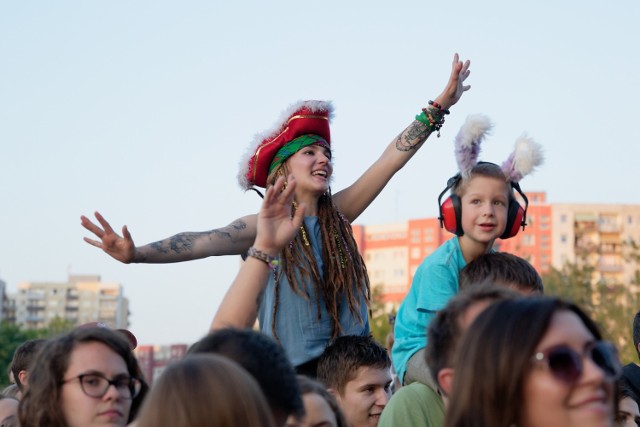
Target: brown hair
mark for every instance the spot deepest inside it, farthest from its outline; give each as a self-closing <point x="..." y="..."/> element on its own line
<point x="494" y="360"/>
<point x="484" y="169"/>
<point x="444" y="331"/>
<point x="205" y="390"/>
<point x="504" y="269"/>
<point x="344" y="272"/>
<point x="40" y="406"/>
<point x="310" y="386"/>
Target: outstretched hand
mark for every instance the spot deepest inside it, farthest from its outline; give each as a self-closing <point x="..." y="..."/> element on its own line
<point x="121" y="248"/>
<point x="276" y="226"/>
<point x="455" y="86"/>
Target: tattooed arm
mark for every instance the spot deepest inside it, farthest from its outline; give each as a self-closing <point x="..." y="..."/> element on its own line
<point x="275" y="229"/>
<point x="233" y="239"/>
<point x="353" y="200"/>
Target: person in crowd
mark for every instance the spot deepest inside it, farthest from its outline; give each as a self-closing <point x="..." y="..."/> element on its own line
<point x="205" y="390"/>
<point x="631" y="371"/>
<point x="628" y="412"/>
<point x="419" y="404"/>
<point x="22" y="358"/>
<point x="320" y="406"/>
<point x="263" y="359"/>
<point x="85" y="378"/>
<point x="535" y="362"/>
<point x="11" y="390"/>
<point x="502" y="268"/>
<point x="357" y="371"/>
<point x="481" y="208"/>
<point x="318" y="289"/>
<point x="8" y="411"/>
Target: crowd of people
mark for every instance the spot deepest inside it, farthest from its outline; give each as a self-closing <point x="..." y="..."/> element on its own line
<point x="476" y="341"/>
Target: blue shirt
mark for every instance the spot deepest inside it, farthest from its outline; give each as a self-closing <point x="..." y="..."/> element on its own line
<point x="302" y="335"/>
<point x="435" y="282"/>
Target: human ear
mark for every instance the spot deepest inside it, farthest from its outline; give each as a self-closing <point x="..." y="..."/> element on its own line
<point x="445" y="380"/>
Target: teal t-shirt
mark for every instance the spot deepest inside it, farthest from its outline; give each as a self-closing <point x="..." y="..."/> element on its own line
<point x="435" y="282"/>
<point x="413" y="405"/>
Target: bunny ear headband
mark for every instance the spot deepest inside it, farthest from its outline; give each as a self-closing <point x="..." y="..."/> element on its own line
<point x="526" y="156"/>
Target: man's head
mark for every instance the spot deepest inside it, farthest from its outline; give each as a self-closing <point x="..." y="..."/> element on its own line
<point x="446" y="329"/>
<point x="22" y="357"/>
<point x="502" y="268"/>
<point x="265" y="360"/>
<point x="636" y="332"/>
<point x="357" y="371"/>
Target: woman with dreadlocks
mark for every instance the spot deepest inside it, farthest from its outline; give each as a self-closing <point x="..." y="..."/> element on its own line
<point x="319" y="287"/>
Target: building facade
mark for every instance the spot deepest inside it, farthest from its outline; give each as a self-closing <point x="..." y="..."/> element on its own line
<point x="556" y="233"/>
<point x="82" y="299"/>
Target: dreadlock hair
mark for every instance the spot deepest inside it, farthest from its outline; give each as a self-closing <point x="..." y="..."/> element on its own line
<point x="344" y="271"/>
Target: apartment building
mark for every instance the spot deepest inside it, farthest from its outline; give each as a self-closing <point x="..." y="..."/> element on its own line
<point x="82" y="299"/>
<point x="555" y="233"/>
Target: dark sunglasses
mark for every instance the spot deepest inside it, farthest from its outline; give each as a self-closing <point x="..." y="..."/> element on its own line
<point x="566" y="364"/>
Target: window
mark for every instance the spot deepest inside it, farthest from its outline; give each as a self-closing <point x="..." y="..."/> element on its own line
<point x="563" y="218"/>
<point x="563" y="238"/>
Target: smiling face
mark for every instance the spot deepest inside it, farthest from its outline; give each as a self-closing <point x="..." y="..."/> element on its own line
<point x="484" y="209"/>
<point x="551" y="402"/>
<point x="311" y="166"/>
<point x="364" y="397"/>
<point x="80" y="410"/>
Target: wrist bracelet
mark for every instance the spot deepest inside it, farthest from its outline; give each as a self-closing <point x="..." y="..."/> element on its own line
<point x="439" y="107"/>
<point x="271" y="261"/>
<point x="433" y="123"/>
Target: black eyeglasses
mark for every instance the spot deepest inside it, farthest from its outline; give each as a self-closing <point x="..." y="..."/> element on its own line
<point x="566" y="364"/>
<point x="96" y="385"/>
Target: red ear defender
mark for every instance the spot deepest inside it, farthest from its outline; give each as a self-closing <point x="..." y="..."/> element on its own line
<point x="450" y="215"/>
<point x="517" y="215"/>
<point x="451" y="211"/>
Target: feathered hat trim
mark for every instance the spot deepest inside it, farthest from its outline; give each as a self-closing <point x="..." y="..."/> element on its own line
<point x="301" y="118"/>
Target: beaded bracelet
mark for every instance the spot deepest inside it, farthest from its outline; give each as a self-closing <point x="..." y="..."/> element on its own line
<point x="439" y="107"/>
<point x="433" y="124"/>
<point x="272" y="262"/>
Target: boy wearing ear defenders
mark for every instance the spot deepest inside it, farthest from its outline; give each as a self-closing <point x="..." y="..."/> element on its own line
<point x="481" y="208"/>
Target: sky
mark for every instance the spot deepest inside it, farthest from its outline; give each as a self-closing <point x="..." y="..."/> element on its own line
<point x="142" y="110"/>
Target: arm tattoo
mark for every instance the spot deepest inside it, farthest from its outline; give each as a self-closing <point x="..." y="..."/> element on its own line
<point x="183" y="242"/>
<point x="416" y="133"/>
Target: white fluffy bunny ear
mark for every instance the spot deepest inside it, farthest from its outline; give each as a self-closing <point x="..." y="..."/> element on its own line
<point x="467" y="142"/>
<point x="526" y="156"/>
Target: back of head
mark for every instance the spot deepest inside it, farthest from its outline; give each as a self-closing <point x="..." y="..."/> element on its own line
<point x="41" y="403"/>
<point x="341" y="359"/>
<point x="636" y="332"/>
<point x="262" y="358"/>
<point x="445" y="330"/>
<point x="495" y="356"/>
<point x="205" y="390"/>
<point x="22" y="358"/>
<point x="504" y="269"/>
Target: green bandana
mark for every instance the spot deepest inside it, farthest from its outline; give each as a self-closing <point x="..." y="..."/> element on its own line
<point x="293" y="147"/>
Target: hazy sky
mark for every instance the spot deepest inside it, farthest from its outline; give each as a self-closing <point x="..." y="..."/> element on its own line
<point x="142" y="110"/>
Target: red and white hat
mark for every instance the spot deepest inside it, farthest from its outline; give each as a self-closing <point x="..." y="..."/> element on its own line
<point x="301" y="118"/>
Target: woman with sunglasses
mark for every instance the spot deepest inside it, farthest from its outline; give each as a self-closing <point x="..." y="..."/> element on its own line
<point x="534" y="362"/>
<point x="86" y="378"/>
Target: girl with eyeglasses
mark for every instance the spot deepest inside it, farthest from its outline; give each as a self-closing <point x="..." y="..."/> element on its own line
<point x="534" y="362"/>
<point x="86" y="378"/>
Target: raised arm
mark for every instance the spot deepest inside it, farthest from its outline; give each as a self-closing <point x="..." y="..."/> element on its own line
<point x="234" y="239"/>
<point x="353" y="200"/>
<point x="275" y="229"/>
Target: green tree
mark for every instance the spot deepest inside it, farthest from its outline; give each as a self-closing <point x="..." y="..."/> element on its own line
<point x="611" y="305"/>
<point x="381" y="321"/>
<point x="11" y="336"/>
